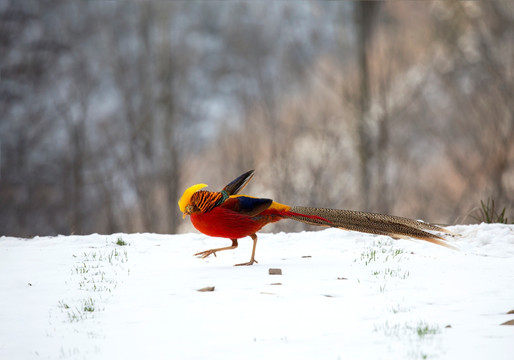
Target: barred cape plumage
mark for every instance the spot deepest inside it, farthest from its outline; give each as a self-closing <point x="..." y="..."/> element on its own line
<point x="206" y="200"/>
<point x="227" y="214"/>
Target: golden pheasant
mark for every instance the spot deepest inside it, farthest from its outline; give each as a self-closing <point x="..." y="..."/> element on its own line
<point x="229" y="215"/>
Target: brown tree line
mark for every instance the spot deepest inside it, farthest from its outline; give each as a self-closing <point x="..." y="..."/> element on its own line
<point x="110" y="109"/>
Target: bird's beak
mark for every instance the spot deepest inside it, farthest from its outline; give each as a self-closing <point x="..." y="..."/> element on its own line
<point x="187" y="211"/>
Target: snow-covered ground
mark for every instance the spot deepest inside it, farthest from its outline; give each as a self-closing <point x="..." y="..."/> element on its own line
<point x="341" y="295"/>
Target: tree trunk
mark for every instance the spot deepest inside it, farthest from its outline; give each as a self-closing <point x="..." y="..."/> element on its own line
<point x="364" y="18"/>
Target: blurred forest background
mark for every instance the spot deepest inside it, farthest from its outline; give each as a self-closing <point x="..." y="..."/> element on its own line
<point x="110" y="109"/>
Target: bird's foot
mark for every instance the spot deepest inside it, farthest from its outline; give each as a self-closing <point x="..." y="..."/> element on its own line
<point x="247" y="263"/>
<point x="204" y="254"/>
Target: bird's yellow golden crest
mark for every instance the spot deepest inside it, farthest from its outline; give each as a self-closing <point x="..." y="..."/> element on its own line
<point x="186" y="197"/>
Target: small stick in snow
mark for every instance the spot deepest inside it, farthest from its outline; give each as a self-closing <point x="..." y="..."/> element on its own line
<point x="205" y="289"/>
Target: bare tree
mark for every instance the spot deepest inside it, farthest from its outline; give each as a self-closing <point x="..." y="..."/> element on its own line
<point x="365" y="15"/>
<point x="478" y="80"/>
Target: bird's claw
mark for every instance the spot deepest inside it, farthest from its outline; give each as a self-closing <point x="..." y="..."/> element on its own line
<point x="204" y="254"/>
<point x="251" y="262"/>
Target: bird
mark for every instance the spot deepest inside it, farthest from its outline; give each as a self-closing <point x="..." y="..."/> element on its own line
<point x="228" y="214"/>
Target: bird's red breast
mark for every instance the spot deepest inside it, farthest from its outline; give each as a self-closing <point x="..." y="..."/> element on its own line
<point x="223" y="221"/>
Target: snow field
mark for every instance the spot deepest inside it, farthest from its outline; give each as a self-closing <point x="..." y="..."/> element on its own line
<point x="342" y="295"/>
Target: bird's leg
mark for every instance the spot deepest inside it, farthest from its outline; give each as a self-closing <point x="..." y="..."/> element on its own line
<point x="206" y="253"/>
<point x="252" y="260"/>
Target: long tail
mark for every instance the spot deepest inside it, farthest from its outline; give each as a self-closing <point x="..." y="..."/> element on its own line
<point x="394" y="226"/>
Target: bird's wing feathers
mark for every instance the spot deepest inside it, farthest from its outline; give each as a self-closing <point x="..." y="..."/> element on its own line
<point x="238" y="184"/>
<point x="247" y="205"/>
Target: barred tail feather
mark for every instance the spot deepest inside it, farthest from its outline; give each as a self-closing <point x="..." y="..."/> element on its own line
<point x="372" y="223"/>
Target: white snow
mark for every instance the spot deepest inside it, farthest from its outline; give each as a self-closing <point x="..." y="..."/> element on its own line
<point x="342" y="295"/>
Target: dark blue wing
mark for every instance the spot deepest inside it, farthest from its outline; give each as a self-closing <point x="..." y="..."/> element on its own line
<point x="247" y="205"/>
